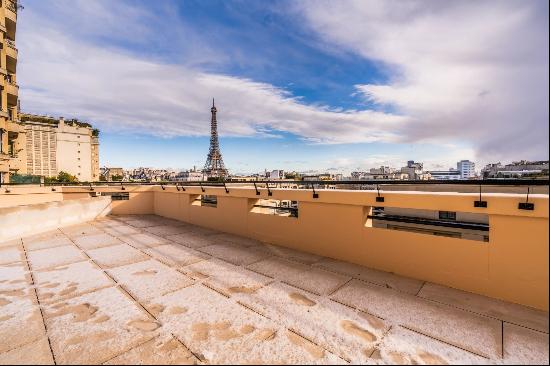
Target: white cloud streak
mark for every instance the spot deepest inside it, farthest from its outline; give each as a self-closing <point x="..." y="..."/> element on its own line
<point x="61" y="75"/>
<point x="474" y="71"/>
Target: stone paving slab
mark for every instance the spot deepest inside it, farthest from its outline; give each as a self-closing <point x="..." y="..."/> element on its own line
<point x="163" y="350"/>
<point x="314" y="280"/>
<point x="144" y="240"/>
<point x="20" y="319"/>
<point x="54" y="257"/>
<point x="226" y="277"/>
<point x="382" y="278"/>
<point x="96" y="327"/>
<point x="107" y="222"/>
<point x="191" y="239"/>
<point x="199" y="230"/>
<point x="47" y="240"/>
<point x="35" y="353"/>
<point x="475" y="333"/>
<point x="512" y="313"/>
<point x="165" y="230"/>
<point x="176" y="255"/>
<point x="139" y="222"/>
<point x="524" y="346"/>
<point x="63" y="282"/>
<point x="404" y="347"/>
<point x="74" y="231"/>
<point x="235" y="253"/>
<point x="149" y="279"/>
<point x="94" y="241"/>
<point x="116" y="255"/>
<point x="235" y="239"/>
<point x="346" y="332"/>
<point x="221" y="331"/>
<point x="278" y="268"/>
<point x="121" y="230"/>
<point x="11" y="254"/>
<point x="288" y="253"/>
<point x="9" y="243"/>
<point x="14" y="276"/>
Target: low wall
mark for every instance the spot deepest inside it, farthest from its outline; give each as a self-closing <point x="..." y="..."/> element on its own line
<point x="24" y="220"/>
<point x="19" y="196"/>
<point x="512" y="266"/>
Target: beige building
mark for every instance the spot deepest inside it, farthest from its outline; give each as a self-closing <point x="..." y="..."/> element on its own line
<point x="55" y="145"/>
<point x="12" y="139"/>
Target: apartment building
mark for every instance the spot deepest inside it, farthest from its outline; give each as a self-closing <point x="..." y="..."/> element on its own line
<point x="55" y="145"/>
<point x="12" y="139"/>
<point x="466" y="168"/>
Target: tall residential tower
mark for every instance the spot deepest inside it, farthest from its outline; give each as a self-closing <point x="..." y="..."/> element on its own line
<point x="12" y="134"/>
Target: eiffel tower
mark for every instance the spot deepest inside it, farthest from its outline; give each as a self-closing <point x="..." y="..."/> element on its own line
<point x="214" y="166"/>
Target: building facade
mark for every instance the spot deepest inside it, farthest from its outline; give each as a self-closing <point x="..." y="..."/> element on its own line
<point x="55" y="145"/>
<point x="466" y="168"/>
<point x="12" y="135"/>
<point x="415" y="171"/>
<point x="445" y="174"/>
<point x="517" y="169"/>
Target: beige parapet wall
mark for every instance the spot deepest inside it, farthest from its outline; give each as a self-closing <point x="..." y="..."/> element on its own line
<point x="512" y="266"/>
<point x="24" y="220"/>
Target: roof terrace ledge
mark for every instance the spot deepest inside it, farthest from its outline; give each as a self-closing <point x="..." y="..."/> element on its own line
<point x="498" y="203"/>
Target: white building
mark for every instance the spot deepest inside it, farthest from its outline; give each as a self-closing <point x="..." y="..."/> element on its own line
<point x="53" y="146"/>
<point x="445" y="174"/>
<point x="466" y="168"/>
<point x="190" y="176"/>
<point x="276" y="174"/>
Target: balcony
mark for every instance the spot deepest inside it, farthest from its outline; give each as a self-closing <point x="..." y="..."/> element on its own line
<point x="142" y="273"/>
<point x="11" y="49"/>
<point x="11" y="88"/>
<point x="11" y="10"/>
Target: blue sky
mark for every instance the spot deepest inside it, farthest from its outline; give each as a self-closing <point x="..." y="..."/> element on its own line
<point x="326" y="85"/>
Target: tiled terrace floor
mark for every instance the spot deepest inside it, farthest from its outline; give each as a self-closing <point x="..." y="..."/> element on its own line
<point x="145" y="289"/>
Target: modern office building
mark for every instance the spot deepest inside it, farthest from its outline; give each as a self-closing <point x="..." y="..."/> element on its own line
<point x="466" y="168"/>
<point x="12" y="139"/>
<point x="445" y="174"/>
<point x="55" y="145"/>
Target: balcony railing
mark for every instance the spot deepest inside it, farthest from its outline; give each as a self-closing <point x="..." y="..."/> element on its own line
<point x="10" y="43"/>
<point x="12" y="5"/>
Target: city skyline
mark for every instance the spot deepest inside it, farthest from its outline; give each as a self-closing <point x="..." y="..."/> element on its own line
<point x="296" y="90"/>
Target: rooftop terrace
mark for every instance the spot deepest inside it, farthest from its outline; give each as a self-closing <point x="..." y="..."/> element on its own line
<point x="142" y="289"/>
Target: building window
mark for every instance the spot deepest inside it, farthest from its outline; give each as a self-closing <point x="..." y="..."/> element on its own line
<point x="286" y="208"/>
<point x="206" y="201"/>
<point x="447" y="215"/>
<point x="117" y="196"/>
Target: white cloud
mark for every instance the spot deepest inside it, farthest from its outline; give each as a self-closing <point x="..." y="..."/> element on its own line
<point x="460" y="70"/>
<point x="464" y="73"/>
<point x="61" y="75"/>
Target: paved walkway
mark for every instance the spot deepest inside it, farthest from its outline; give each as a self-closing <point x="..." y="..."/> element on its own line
<point x="145" y="289"/>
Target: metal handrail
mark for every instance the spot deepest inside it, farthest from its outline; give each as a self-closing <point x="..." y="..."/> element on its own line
<point x="484" y="182"/>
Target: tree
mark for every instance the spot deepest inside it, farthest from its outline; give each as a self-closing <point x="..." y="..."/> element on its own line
<point x="116" y="178"/>
<point x="62" y="177"/>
